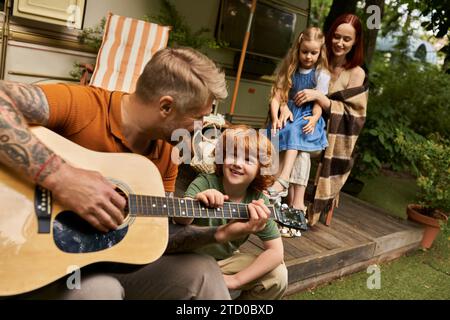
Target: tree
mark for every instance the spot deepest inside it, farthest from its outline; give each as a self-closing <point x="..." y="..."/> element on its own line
<point x="371" y="33"/>
<point x="438" y="12"/>
<point x="434" y="14"/>
<point x="318" y="12"/>
<point x="339" y="7"/>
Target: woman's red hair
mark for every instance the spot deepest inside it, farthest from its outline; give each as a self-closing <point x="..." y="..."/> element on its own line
<point x="356" y="56"/>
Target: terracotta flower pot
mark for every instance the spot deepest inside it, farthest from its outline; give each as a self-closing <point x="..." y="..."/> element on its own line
<point x="431" y="224"/>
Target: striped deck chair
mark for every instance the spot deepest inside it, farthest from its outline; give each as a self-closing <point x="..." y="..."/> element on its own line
<point x="128" y="44"/>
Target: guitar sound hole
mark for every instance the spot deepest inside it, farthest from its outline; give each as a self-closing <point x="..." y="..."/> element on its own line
<point x="72" y="234"/>
<point x="124" y="195"/>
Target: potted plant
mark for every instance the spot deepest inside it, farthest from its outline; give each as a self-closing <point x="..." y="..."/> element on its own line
<point x="431" y="161"/>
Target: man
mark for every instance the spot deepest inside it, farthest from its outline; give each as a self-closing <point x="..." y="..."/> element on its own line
<point x="176" y="88"/>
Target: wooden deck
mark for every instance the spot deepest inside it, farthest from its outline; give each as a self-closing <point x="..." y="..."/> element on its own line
<point x="359" y="235"/>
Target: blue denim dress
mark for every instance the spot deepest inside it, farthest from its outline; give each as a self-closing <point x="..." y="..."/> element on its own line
<point x="291" y="137"/>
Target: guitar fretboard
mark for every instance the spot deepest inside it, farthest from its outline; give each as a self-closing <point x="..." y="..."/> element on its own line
<point x="189" y="208"/>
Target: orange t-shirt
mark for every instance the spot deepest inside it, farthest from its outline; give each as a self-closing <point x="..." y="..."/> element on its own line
<point x="91" y="117"/>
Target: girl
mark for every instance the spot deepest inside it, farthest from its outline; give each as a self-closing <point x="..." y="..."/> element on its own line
<point x="239" y="179"/>
<point x="304" y="67"/>
<point x="346" y="105"/>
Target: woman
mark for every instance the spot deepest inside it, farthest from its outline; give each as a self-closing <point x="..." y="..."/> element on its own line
<point x="345" y="106"/>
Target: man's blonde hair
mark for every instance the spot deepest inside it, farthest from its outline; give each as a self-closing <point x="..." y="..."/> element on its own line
<point x="184" y="74"/>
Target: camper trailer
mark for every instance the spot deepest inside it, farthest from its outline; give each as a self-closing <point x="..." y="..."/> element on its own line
<point x="39" y="39"/>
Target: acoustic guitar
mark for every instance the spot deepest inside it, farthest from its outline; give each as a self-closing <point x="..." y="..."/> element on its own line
<point x="41" y="241"/>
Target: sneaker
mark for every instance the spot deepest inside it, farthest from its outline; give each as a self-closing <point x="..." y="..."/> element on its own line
<point x="285" y="232"/>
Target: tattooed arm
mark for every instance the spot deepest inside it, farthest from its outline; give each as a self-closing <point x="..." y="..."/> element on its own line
<point x="85" y="192"/>
<point x="19" y="149"/>
<point x="187" y="238"/>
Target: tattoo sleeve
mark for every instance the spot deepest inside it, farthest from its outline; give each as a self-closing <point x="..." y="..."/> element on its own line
<point x="19" y="148"/>
<point x="187" y="238"/>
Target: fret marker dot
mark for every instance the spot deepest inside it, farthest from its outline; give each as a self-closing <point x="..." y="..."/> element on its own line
<point x="183" y="213"/>
<point x="234" y="210"/>
<point x="218" y="209"/>
<point x="182" y="201"/>
<point x="154" y="206"/>
<point x="203" y="208"/>
<point x="164" y="206"/>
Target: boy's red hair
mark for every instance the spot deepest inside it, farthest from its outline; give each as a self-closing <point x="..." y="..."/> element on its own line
<point x="250" y="139"/>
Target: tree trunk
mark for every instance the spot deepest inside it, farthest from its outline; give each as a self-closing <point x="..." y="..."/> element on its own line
<point x="337" y="8"/>
<point x="371" y="33"/>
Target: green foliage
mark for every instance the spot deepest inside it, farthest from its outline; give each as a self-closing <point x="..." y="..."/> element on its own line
<point x="438" y="13"/>
<point x="93" y="36"/>
<point x="318" y="12"/>
<point x="405" y="98"/>
<point x="431" y="159"/>
<point x="181" y="33"/>
<point x="417" y="92"/>
<point x="445" y="228"/>
<point x="376" y="146"/>
<point x="77" y="71"/>
<point x="433" y="15"/>
<point x="394" y="13"/>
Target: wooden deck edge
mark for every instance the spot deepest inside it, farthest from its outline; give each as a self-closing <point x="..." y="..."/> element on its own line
<point x="400" y="239"/>
<point x="321" y="255"/>
<point x="325" y="262"/>
<point x="313" y="282"/>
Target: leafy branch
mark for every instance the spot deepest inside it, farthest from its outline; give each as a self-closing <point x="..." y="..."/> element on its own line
<point x="181" y="33"/>
<point x="93" y="36"/>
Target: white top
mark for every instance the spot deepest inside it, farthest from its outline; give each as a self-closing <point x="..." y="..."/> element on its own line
<point x="322" y="79"/>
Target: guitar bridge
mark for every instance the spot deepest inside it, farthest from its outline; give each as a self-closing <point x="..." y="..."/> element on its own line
<point x="43" y="208"/>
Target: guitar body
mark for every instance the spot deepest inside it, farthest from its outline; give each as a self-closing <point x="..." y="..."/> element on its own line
<point x="30" y="260"/>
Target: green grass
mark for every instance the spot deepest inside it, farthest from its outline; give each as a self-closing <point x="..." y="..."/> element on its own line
<point x="390" y="193"/>
<point x="423" y="274"/>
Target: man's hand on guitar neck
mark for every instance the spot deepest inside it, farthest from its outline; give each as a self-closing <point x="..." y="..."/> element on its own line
<point x="89" y="194"/>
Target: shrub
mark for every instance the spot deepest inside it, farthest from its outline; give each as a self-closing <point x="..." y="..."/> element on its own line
<point x="182" y="34"/>
<point x="405" y="98"/>
<point x="417" y="91"/>
<point x="376" y="146"/>
<point x="431" y="162"/>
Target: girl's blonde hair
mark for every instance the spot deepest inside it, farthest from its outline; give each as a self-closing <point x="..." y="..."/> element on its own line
<point x="290" y="62"/>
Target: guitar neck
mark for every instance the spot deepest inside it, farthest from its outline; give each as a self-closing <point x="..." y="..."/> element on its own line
<point x="141" y="205"/>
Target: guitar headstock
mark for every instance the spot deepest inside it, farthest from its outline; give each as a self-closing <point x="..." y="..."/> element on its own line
<point x="290" y="217"/>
